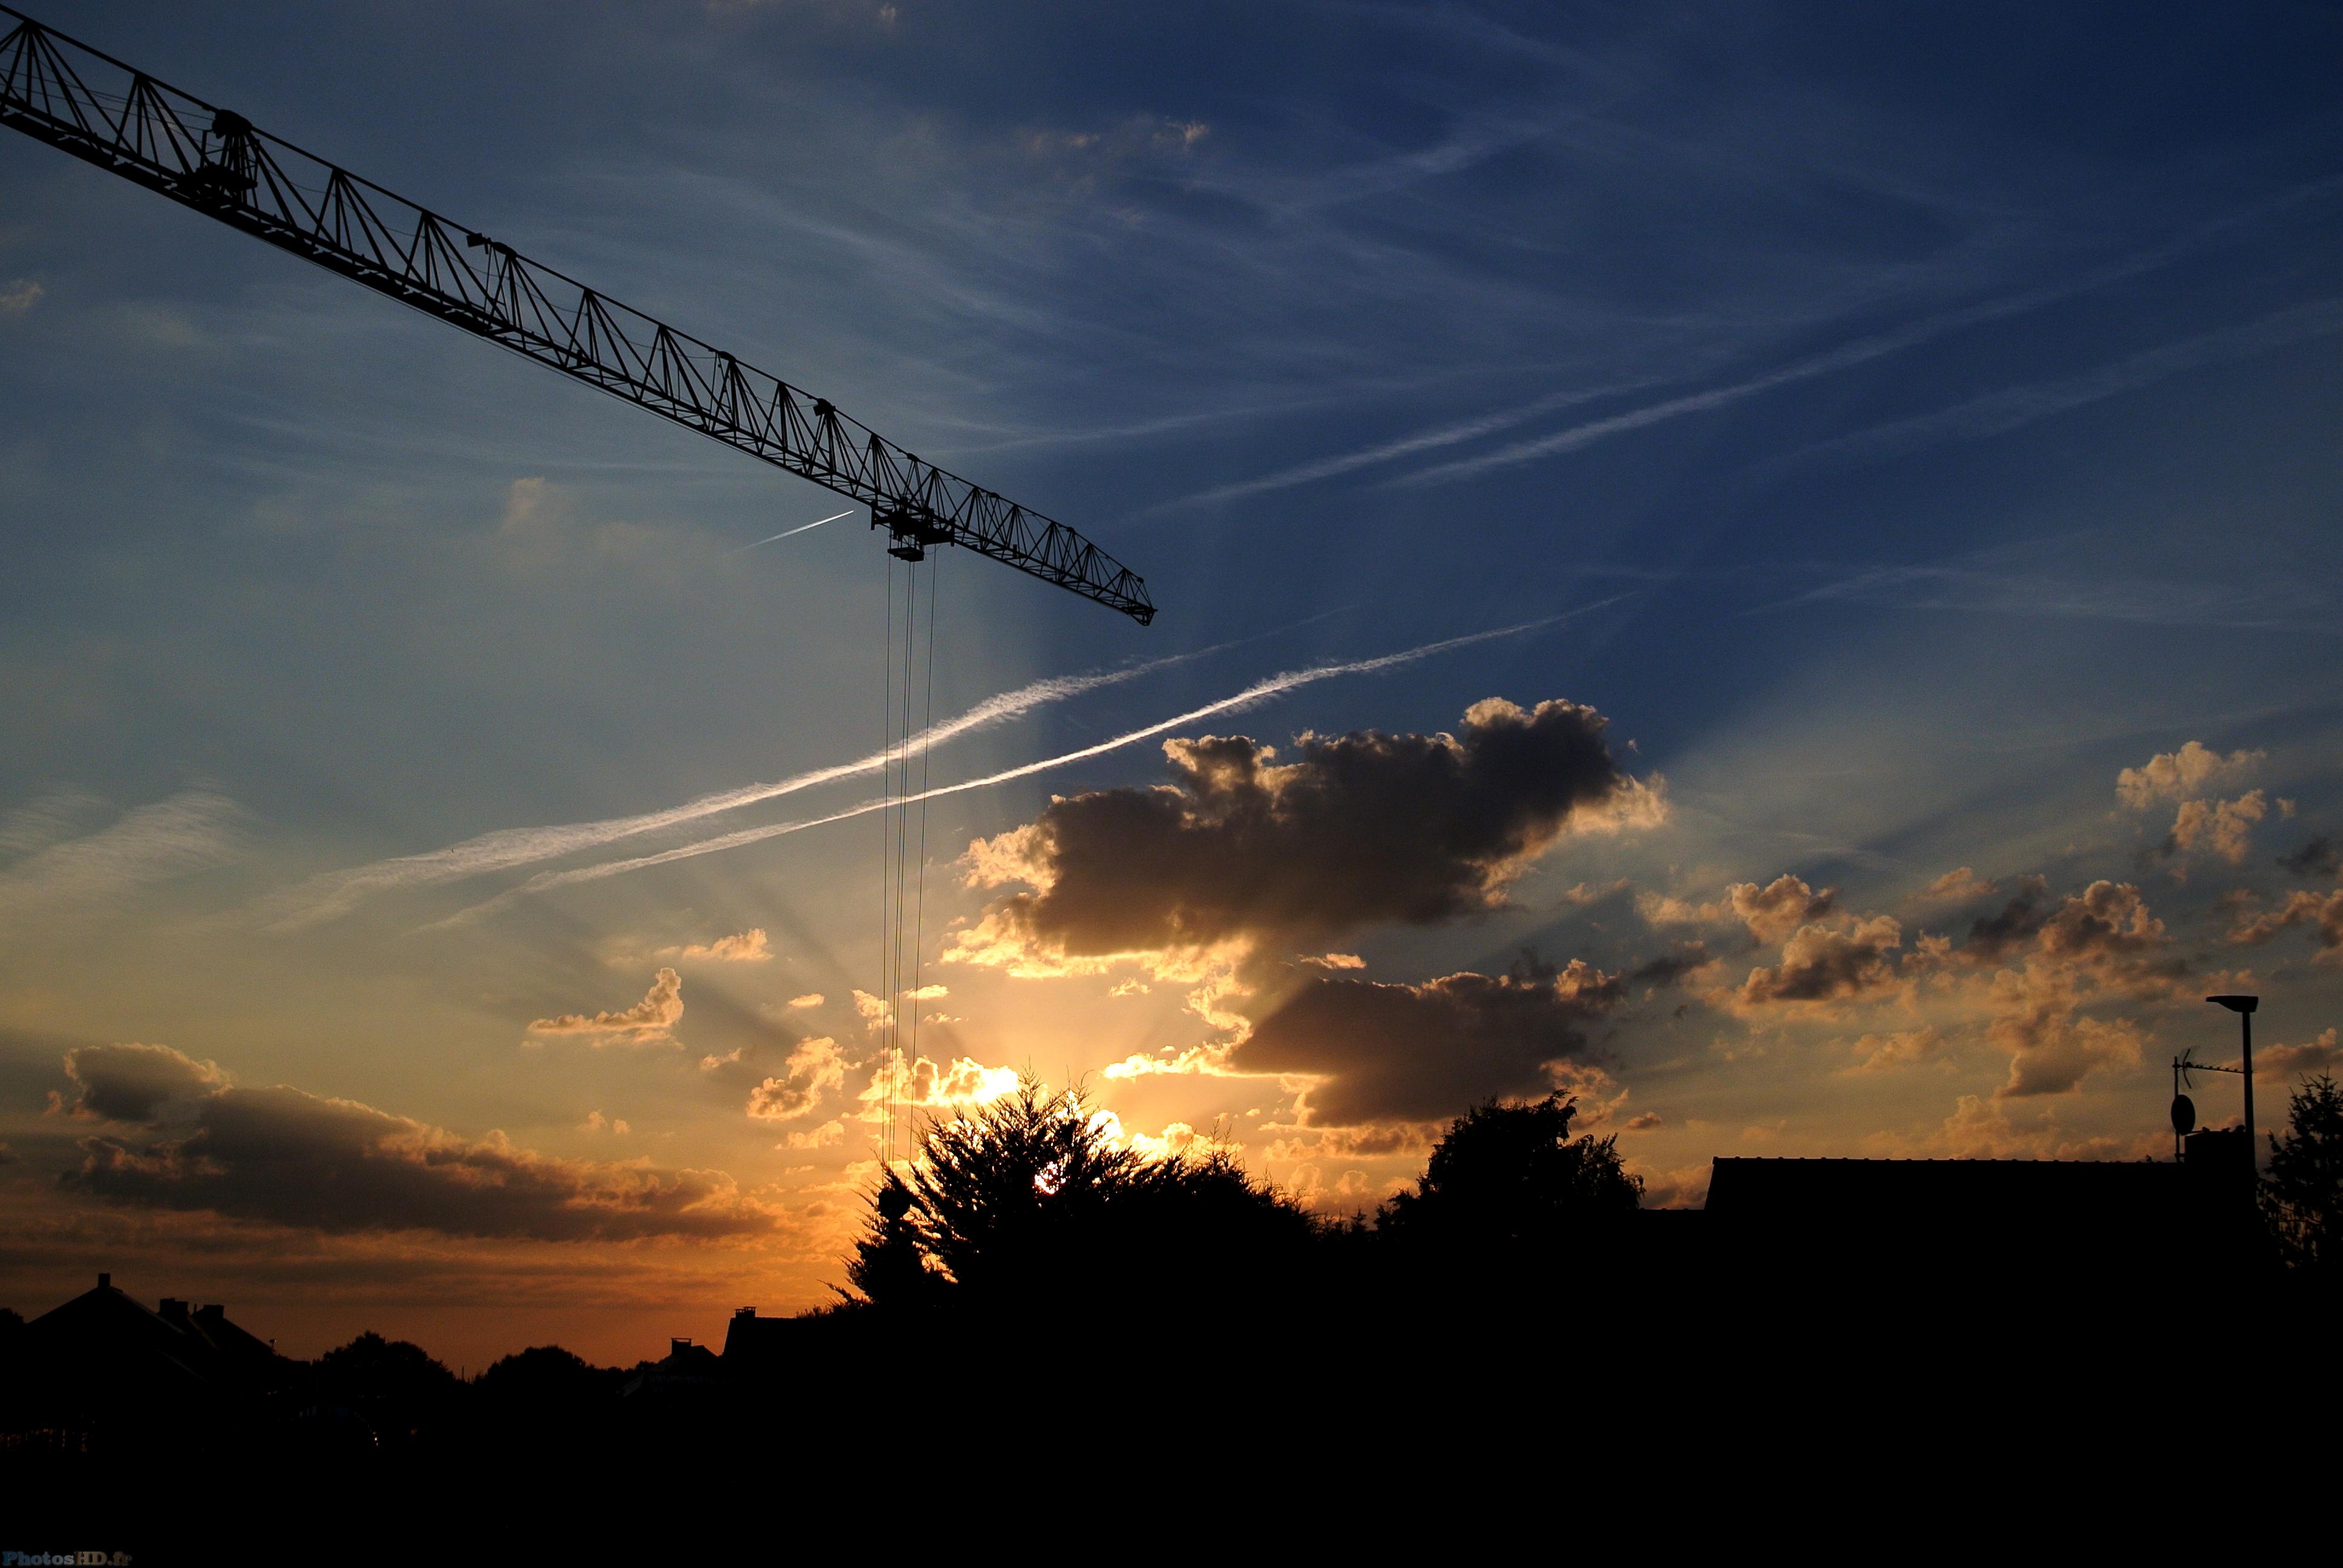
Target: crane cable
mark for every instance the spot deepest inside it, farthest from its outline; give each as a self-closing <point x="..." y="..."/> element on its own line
<point x="902" y="870"/>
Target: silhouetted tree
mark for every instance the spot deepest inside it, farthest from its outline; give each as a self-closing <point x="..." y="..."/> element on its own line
<point x="1512" y="1176"/>
<point x="547" y="1382"/>
<point x="2302" y="1192"/>
<point x="1032" y="1193"/>
<point x="394" y="1385"/>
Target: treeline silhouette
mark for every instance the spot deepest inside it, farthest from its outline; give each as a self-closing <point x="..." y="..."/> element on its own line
<point x="1029" y="1292"/>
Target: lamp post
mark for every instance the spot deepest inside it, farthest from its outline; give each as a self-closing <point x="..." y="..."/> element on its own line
<point x="2243" y="1006"/>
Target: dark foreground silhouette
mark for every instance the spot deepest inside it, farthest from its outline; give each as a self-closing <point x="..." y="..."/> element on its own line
<point x="1041" y="1320"/>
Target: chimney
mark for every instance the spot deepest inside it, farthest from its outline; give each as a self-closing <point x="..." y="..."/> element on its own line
<point x="215" y="1312"/>
<point x="744" y="1312"/>
<point x="677" y="1347"/>
<point x="173" y="1311"/>
<point x="106" y="1281"/>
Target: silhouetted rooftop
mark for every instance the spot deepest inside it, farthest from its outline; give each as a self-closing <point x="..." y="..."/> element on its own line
<point x="2003" y="1190"/>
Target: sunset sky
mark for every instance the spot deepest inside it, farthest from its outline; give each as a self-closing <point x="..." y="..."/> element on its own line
<point x="1774" y="569"/>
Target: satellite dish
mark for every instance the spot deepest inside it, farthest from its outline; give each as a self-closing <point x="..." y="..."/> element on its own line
<point x="2184" y="1115"/>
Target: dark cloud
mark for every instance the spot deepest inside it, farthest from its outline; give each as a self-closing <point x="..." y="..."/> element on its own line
<point x="144" y="1083"/>
<point x="1826" y="963"/>
<point x="1669" y="967"/>
<point x="1991" y="936"/>
<point x="2106" y="925"/>
<point x="290" y="1158"/>
<point x="1359" y="828"/>
<point x="2318" y="858"/>
<point x="1412" y="1053"/>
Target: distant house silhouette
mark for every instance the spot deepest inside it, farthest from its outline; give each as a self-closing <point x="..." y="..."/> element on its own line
<point x="104" y="1353"/>
<point x="686" y="1371"/>
<point x="759" y="1348"/>
<point x="2115" y="1222"/>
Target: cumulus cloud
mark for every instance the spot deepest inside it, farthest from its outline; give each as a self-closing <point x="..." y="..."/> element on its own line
<point x="1825" y="963"/>
<point x="2052" y="1046"/>
<point x="1782" y="906"/>
<point x="648" y="1022"/>
<point x="597" y="1122"/>
<point x="2321" y="912"/>
<point x="1956" y="886"/>
<point x="1240" y="849"/>
<point x="1379" y="1053"/>
<point x="1181" y="1139"/>
<point x="813" y="1069"/>
<point x="922" y="1084"/>
<point x="1377" y="1141"/>
<point x="144" y="1083"/>
<point x="2106" y="927"/>
<point x="2319" y="1055"/>
<point x="811" y="998"/>
<point x="746" y="948"/>
<point x="1992" y="936"/>
<point x="1982" y="1129"/>
<point x="1902" y="1048"/>
<point x="1770" y="912"/>
<point x="291" y="1158"/>
<point x="1647" y="1121"/>
<point x="827" y="1135"/>
<point x="2179" y="774"/>
<point x="1686" y="1187"/>
<point x="2221" y="828"/>
<point x="2050" y="959"/>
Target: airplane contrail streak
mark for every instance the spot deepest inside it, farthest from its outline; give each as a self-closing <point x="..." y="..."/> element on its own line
<point x="1252" y="696"/>
<point x="337" y="893"/>
<point x="792" y="533"/>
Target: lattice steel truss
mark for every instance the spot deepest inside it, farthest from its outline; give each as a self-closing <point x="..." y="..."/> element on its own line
<point x="213" y="160"/>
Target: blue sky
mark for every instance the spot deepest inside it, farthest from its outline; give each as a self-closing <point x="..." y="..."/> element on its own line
<point x="1914" y="421"/>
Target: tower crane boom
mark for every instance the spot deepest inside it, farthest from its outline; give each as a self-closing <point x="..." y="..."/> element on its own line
<point x="90" y="105"/>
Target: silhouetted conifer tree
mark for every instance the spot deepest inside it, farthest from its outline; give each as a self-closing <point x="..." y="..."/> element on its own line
<point x="1032" y="1194"/>
<point x="2302" y="1192"/>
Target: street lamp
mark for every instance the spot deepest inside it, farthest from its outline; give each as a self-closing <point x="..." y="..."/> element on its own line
<point x="2243" y="1006"/>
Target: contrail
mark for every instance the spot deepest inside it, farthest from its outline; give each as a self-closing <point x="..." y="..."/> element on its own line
<point x="1864" y="350"/>
<point x="336" y="893"/>
<point x="793" y="533"/>
<point x="1252" y="696"/>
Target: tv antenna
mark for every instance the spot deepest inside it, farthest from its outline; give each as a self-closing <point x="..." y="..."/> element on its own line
<point x="2184" y="1109"/>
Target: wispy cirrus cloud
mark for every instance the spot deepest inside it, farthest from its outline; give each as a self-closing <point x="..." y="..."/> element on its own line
<point x="2019" y="404"/>
<point x="76" y="874"/>
<point x="1252" y="696"/>
<point x="1995" y="591"/>
<point x="2015" y="406"/>
<point x="337" y="893"/>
